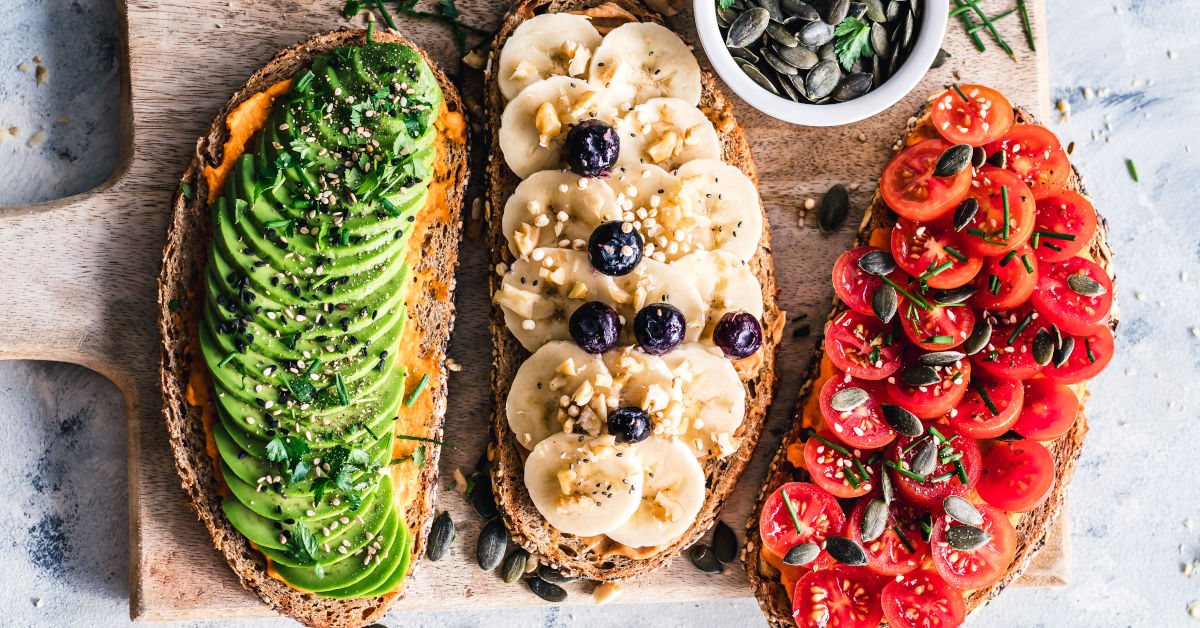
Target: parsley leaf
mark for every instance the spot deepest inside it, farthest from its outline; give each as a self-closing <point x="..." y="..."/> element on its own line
<point x="447" y="9"/>
<point x="418" y="458"/>
<point x="302" y="390"/>
<point x="318" y="488"/>
<point x="302" y="544"/>
<point x="853" y="41"/>
<point x="276" y="451"/>
<point x="173" y="305"/>
<point x="300" y="470"/>
<point x="187" y="189"/>
<point x="239" y="209"/>
<point x="351" y="9"/>
<point x="725" y="4"/>
<point x="358" y="457"/>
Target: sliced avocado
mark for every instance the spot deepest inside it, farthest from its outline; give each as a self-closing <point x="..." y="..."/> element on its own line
<point x="403" y="544"/>
<point x="350" y="533"/>
<point x="390" y="564"/>
<point x="342" y="573"/>
<point x="249" y="468"/>
<point x="261" y="531"/>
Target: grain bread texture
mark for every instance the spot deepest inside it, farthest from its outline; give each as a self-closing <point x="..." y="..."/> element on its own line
<point x="572" y="554"/>
<point x="181" y="285"/>
<point x="1033" y="528"/>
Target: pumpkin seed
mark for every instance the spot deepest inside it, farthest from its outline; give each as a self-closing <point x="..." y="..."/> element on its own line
<point x="962" y="510"/>
<point x="777" y="64"/>
<point x="757" y="76"/>
<point x="941" y="358"/>
<point x="797" y="82"/>
<point x="815" y="34"/>
<point x="1063" y="353"/>
<point x="748" y="27"/>
<point x="953" y="296"/>
<point x="852" y="86"/>
<point x="725" y="543"/>
<point x="797" y="57"/>
<point x="998" y="159"/>
<point x="953" y="160"/>
<point x="875" y="11"/>
<point x="978" y="157"/>
<point x="857" y="10"/>
<point x="877" y="262"/>
<point x="925" y="461"/>
<point x="546" y="590"/>
<point x="554" y="576"/>
<point x="781" y="34"/>
<point x="837" y="11"/>
<point x="800" y="9"/>
<point x="786" y="86"/>
<point x="981" y="335"/>
<point x="965" y="212"/>
<point x="514" y="565"/>
<point x="704" y="559"/>
<point x="1009" y="436"/>
<point x="878" y="70"/>
<point x="493" y="540"/>
<point x="885" y="484"/>
<point x="845" y="551"/>
<point x="967" y="538"/>
<point x="917" y="376"/>
<point x="1086" y="286"/>
<point x="895" y="59"/>
<point x="441" y="533"/>
<point x="835" y="205"/>
<point x="482" y="498"/>
<point x="1043" y="347"/>
<point x="879" y="39"/>
<point x="802" y="554"/>
<point x="744" y="53"/>
<point x="848" y="399"/>
<point x="772" y="7"/>
<point x="725" y="16"/>
<point x="1058" y="337"/>
<point x="874" y="520"/>
<point x="884" y="303"/>
<point x="893" y="11"/>
<point x="910" y="28"/>
<point x="940" y="59"/>
<point x="828" y="52"/>
<point x="902" y="421"/>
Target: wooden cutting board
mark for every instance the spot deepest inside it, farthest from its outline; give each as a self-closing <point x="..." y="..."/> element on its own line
<point x="80" y="280"/>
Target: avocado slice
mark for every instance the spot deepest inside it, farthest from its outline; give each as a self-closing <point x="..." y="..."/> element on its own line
<point x="350" y="530"/>
<point x="340" y="574"/>
<point x="391" y="568"/>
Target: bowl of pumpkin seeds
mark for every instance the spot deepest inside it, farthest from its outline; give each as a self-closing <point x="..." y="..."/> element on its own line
<point x="821" y="62"/>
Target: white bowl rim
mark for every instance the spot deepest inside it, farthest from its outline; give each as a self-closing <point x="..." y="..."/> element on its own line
<point x="929" y="41"/>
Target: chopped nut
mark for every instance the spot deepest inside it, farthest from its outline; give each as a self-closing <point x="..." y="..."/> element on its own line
<point x="668" y="144"/>
<point x="547" y="123"/>
<point x="42" y="74"/>
<point x="585" y="103"/>
<point x="475" y="60"/>
<point x="37" y="139"/>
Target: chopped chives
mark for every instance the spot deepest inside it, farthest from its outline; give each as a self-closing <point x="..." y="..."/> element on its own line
<point x="416" y="391"/>
<point x="962" y="472"/>
<point x="1008" y="257"/>
<point x="227" y="359"/>
<point x="1132" y="170"/>
<point x="1053" y="247"/>
<point x="903" y="539"/>
<point x="975" y="232"/>
<point x="1037" y="238"/>
<point x="1055" y="235"/>
<point x="832" y="445"/>
<point x="787" y="502"/>
<point x="343" y="396"/>
<point x="1026" y="263"/>
<point x="959" y="256"/>
<point x="987" y="400"/>
<point x="862" y="471"/>
<point x="951" y="458"/>
<point x="994" y="284"/>
<point x="987" y="21"/>
<point x="956" y="88"/>
<point x="904" y="472"/>
<point x="388" y="206"/>
<point x="1026" y="23"/>
<point x="1020" y="328"/>
<point x="939" y="340"/>
<point x="1087" y="342"/>
<point x="918" y="300"/>
<point x="848" y="473"/>
<point x="936" y="434"/>
<point x="943" y="477"/>
<point x="1004" y="199"/>
<point x="912" y="445"/>
<point x="936" y="270"/>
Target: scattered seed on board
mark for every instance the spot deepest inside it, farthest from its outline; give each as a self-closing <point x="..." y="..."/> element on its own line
<point x="441" y="533"/>
<point x="902" y="420"/>
<point x="704" y="559"/>
<point x="725" y="543"/>
<point x="514" y="565"/>
<point x="835" y="206"/>
<point x="845" y="551"/>
<point x="967" y="538"/>
<point x="546" y="590"/>
<point x="482" y="497"/>
<point x="962" y="510"/>
<point x="493" y="540"/>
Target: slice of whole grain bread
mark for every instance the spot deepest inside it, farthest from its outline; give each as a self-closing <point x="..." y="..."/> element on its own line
<point x="181" y="287"/>
<point x="573" y="554"/>
<point x="1034" y="527"/>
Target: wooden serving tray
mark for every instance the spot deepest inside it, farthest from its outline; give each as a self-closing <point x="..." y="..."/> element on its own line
<point x="79" y="281"/>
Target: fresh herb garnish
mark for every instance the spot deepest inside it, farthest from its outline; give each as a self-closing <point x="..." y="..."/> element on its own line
<point x="416" y="391"/>
<point x="343" y="396"/>
<point x="1132" y="170"/>
<point x="791" y="508"/>
<point x="853" y="41"/>
<point x="418" y="458"/>
<point x="302" y="544"/>
<point x="173" y="305"/>
<point x="187" y="189"/>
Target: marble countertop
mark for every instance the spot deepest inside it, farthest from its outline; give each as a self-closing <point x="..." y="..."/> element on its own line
<point x="1124" y="73"/>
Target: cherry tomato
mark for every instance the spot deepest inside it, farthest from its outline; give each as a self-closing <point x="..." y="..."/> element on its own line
<point x="841" y="596"/>
<point x="978" y="568"/>
<point x="936" y="328"/>
<point x="988" y="418"/>
<point x="1061" y="304"/>
<point x="1007" y="355"/>
<point x="863" y="426"/>
<point x="985" y="115"/>
<point x="985" y="233"/>
<point x="1093" y="350"/>
<point x="933" y="400"/>
<point x="1069" y="219"/>
<point x="909" y="187"/>
<point x="922" y="600"/>
<point x="1049" y="412"/>
<point x="1015" y="276"/>
<point x="855" y="344"/>
<point x="889" y="555"/>
<point x="856" y="287"/>
<point x="928" y="492"/>
<point x="1035" y="154"/>
<point x="1017" y="476"/>
<point x="924" y="250"/>
<point x="833" y="469"/>
<point x="817" y="512"/>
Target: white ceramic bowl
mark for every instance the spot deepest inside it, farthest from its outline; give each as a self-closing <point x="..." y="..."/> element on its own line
<point x="929" y="39"/>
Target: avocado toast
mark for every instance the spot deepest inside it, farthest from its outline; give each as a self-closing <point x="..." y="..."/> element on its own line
<point x="305" y="308"/>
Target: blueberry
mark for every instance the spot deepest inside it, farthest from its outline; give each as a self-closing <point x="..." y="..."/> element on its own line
<point x="595" y="327"/>
<point x="738" y="334"/>
<point x="615" y="248"/>
<point x="629" y="424"/>
<point x="659" y="328"/>
<point x="592" y="148"/>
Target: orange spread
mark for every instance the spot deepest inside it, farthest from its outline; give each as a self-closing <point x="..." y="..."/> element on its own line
<point x="243" y="122"/>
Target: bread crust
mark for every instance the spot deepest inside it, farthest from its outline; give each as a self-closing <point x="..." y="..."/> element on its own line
<point x="1033" y="529"/>
<point x="525" y="523"/>
<point x="180" y="284"/>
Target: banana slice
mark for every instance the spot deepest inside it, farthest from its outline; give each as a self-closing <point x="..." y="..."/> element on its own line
<point x="725" y="283"/>
<point x="713" y="190"/>
<point x="667" y="132"/>
<point x="672" y="494"/>
<point x="534" y="125"/>
<point x="543" y="46"/>
<point x="540" y="292"/>
<point x="642" y="60"/>
<point x="556" y="208"/>
<point x="560" y="388"/>
<point x="581" y="486"/>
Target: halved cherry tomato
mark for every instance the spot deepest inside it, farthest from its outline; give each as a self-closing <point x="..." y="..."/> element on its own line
<point x="985" y="233"/>
<point x="863" y="426"/>
<point x="1092" y="353"/>
<point x="1013" y="277"/>
<point x="937" y="328"/>
<point x="944" y="480"/>
<point x="841" y="596"/>
<point x="934" y="400"/>
<point x="909" y="187"/>
<point x="889" y="555"/>
<point x="978" y="568"/>
<point x="933" y="251"/>
<point x="1007" y="355"/>
<point x="1061" y="304"/>
<point x="1016" y="476"/>
<point x="1049" y="412"/>
<point x="922" y="600"/>
<point x="978" y="417"/>
<point x="856" y="287"/>
<point x="833" y="468"/>
<point x="817" y="512"/>
<point x="1070" y="221"/>
<point x="855" y="344"/>
<point x="984" y="117"/>
<point x="1035" y="154"/>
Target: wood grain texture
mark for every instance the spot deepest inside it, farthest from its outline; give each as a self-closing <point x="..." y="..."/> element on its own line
<point x="80" y="280"/>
